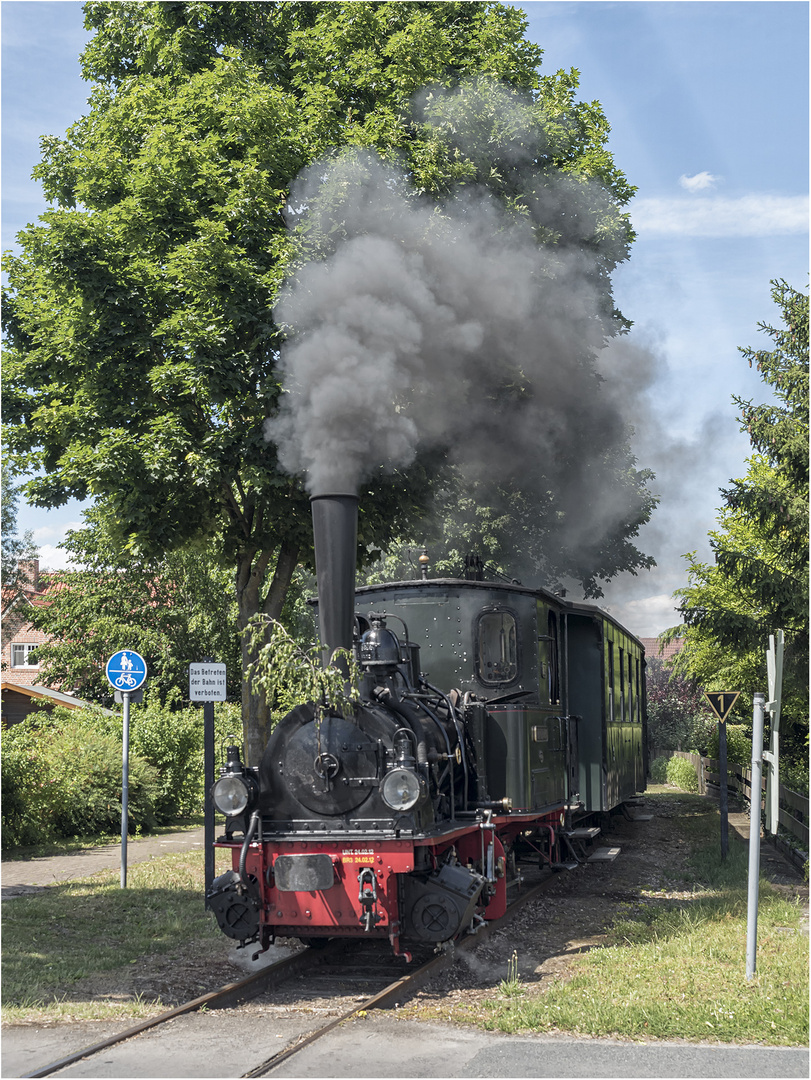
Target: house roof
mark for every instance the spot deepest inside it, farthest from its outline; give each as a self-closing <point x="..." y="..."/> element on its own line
<point x="55" y="697"/>
<point x="655" y="648"/>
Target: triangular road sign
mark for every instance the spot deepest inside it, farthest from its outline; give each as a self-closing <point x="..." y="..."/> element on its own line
<point x="721" y="702"/>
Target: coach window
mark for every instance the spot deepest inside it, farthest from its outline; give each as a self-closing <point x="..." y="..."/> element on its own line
<point x="632" y="696"/>
<point x="497" y="648"/>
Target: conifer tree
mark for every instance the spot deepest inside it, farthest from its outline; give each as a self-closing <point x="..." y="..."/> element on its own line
<point x="759" y="582"/>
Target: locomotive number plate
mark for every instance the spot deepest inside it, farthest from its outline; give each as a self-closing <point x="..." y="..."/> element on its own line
<point x="303" y="873"/>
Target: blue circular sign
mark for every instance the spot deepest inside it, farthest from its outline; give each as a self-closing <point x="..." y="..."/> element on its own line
<point x="126" y="671"/>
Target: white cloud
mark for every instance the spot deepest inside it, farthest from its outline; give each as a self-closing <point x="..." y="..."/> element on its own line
<point x="647" y="617"/>
<point x="700" y="182"/>
<point x="749" y="215"/>
<point x="52" y="557"/>
<point x="56" y="532"/>
<point x="47" y="539"/>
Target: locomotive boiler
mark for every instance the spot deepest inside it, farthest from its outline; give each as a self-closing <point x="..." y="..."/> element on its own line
<point x="493" y="719"/>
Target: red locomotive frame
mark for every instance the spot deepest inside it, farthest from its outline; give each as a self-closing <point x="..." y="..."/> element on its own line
<point x="367" y="874"/>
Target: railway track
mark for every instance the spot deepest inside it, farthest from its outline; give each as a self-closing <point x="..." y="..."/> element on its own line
<point x="324" y="970"/>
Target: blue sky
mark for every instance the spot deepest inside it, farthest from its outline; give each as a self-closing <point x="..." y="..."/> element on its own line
<point x="708" y="105"/>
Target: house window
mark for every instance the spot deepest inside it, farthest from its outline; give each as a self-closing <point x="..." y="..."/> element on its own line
<point x="24" y="656"/>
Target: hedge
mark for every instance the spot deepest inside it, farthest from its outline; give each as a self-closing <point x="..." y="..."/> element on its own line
<point x="61" y="773"/>
<point x="64" y="780"/>
<point x="682" y="774"/>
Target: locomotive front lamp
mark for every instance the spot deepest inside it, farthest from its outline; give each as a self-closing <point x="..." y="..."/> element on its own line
<point x="400" y="789"/>
<point x="231" y="795"/>
<point x="236" y="789"/>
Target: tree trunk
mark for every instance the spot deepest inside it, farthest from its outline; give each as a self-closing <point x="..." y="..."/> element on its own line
<point x="250" y="581"/>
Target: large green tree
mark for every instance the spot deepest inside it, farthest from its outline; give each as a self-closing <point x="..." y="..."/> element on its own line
<point x="142" y="353"/>
<point x="759" y="581"/>
<point x="173" y="610"/>
<point x="16" y="548"/>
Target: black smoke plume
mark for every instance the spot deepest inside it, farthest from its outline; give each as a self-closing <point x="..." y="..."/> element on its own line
<point x="447" y="326"/>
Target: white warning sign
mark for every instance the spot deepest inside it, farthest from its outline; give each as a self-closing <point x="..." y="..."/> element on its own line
<point x="207" y="682"/>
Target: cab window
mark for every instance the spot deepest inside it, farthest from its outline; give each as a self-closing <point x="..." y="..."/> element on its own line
<point x="497" y="648"/>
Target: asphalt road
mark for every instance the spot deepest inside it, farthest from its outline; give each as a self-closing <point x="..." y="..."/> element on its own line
<point x="227" y="1044"/>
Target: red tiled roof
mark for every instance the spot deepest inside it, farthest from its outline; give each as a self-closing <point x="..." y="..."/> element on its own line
<point x="655" y="648"/>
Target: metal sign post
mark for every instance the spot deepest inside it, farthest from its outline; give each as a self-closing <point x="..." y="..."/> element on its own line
<point x="125" y="790"/>
<point x="754" y="835"/>
<point x="724" y="800"/>
<point x="207" y="683"/>
<point x="721" y="704"/>
<point x="126" y="673"/>
<point x="774" y="664"/>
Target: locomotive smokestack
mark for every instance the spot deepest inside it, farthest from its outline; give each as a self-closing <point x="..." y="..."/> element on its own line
<point x="335" y="532"/>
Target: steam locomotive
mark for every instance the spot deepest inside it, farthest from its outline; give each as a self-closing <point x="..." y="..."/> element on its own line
<point x="405" y="820"/>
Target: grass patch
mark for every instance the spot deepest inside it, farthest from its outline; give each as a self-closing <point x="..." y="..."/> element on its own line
<point x="87" y="927"/>
<point x="676" y="969"/>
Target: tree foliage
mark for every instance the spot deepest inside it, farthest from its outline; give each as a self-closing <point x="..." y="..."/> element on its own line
<point x="142" y="359"/>
<point x="679" y="717"/>
<point x="509" y="530"/>
<point x="290" y="672"/>
<point x="173" y="611"/>
<point x="16" y="549"/>
<point x="759" y="582"/>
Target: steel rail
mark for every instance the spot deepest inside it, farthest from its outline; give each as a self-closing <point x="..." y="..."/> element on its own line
<point x="225" y="997"/>
<point x="252" y="985"/>
<point x="407" y="984"/>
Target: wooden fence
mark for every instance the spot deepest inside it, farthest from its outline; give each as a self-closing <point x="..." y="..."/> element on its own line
<point x="793" y="809"/>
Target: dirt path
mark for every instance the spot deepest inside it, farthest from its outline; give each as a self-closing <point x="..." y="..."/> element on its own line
<point x="22" y="876"/>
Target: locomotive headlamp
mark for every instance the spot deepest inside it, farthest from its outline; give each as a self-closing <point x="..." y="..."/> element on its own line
<point x="231" y="795"/>
<point x="236" y="790"/>
<point x="400" y="789"/>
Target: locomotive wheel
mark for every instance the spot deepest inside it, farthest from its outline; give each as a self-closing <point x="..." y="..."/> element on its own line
<point x="435" y="917"/>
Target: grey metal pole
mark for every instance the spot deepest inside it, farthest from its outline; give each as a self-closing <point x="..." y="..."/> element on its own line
<point x="754" y="833"/>
<point x="208" y="769"/>
<point x="774" y="664"/>
<point x="125" y="789"/>
<point x="724" y="799"/>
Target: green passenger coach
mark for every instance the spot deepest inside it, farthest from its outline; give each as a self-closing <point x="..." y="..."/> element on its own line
<point x="561" y="686"/>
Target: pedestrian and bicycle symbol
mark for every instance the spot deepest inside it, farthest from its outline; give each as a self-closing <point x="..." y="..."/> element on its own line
<point x="126" y="671"/>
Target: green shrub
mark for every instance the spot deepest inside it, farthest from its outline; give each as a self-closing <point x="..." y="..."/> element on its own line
<point x="658" y="770"/>
<point x="739" y="744"/>
<point x="794" y="776"/>
<point x="172" y="741"/>
<point x="63" y="779"/>
<point x="682" y="774"/>
<point x="62" y="771"/>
